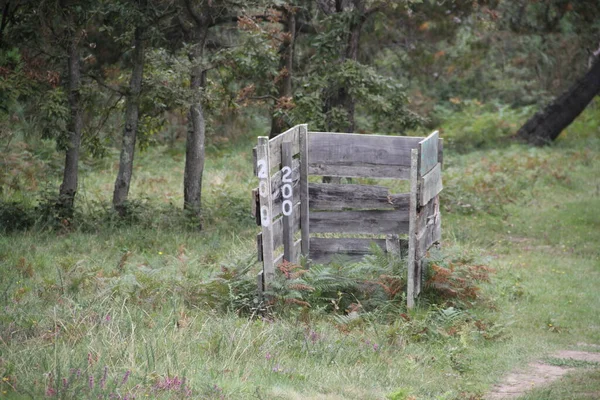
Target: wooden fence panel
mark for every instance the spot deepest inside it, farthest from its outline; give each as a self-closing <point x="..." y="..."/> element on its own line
<point x="360" y="222"/>
<point x="323" y="249"/>
<point x="356" y="155"/>
<point x="350" y="209"/>
<point x="266" y="205"/>
<point x="304" y="195"/>
<point x="428" y="149"/>
<point x="325" y="196"/>
<point x="430" y="185"/>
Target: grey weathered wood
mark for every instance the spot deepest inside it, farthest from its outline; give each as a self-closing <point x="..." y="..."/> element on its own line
<point x="356" y="149"/>
<point x="325" y="248"/>
<point x="288" y="233"/>
<point x="297" y="249"/>
<point x="256" y="205"/>
<point x="392" y="245"/>
<point x="359" y="170"/>
<point x="429" y="153"/>
<point x="262" y="154"/>
<point x="259" y="248"/>
<point x="426" y="213"/>
<point x="430" y="185"/>
<point x="304" y="196"/>
<point x="325" y="196"/>
<point x="276" y="194"/>
<point x="367" y="222"/>
<point x="291" y="135"/>
<point x="430" y="235"/>
<point x="276" y="177"/>
<point x="411" y="276"/>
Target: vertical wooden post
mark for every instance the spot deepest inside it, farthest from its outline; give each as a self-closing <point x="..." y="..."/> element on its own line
<point x="411" y="283"/>
<point x="263" y="170"/>
<point x="288" y="220"/>
<point x="304" y="216"/>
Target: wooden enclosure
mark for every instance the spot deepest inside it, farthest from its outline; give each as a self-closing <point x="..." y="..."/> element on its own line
<point x="321" y="220"/>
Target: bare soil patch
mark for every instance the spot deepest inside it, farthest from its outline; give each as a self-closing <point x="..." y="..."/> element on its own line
<point x="537" y="374"/>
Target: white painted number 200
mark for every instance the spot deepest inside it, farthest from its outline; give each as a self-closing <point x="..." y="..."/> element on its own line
<point x="286" y="191"/>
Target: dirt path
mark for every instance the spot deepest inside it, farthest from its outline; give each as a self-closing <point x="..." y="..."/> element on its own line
<point x="537" y="374"/>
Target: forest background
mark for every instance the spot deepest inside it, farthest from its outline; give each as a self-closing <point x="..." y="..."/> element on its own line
<point x="126" y="169"/>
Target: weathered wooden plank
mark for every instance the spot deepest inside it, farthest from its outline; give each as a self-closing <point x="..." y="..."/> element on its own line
<point x="276" y="193"/>
<point x="429" y="153"/>
<point x="326" y="196"/>
<point x="430" y="235"/>
<point x="266" y="206"/>
<point x="364" y="150"/>
<point x="304" y="195"/>
<point x="367" y="222"/>
<point x="291" y="135"/>
<point x="259" y="248"/>
<point x="426" y="213"/>
<point x="411" y="284"/>
<point x="297" y="249"/>
<point x="277" y="176"/>
<point x="277" y="230"/>
<point x="430" y="185"/>
<point x="288" y="218"/>
<point x="256" y="206"/>
<point x="358" y="170"/>
<point x="392" y="245"/>
<point x="323" y="249"/>
<point x="344" y="245"/>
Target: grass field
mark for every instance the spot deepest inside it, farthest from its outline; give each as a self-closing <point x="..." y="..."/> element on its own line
<point x="148" y="308"/>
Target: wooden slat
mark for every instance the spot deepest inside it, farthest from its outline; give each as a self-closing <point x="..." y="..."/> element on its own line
<point x="411" y="288"/>
<point x="430" y="235"/>
<point x="430" y="185"/>
<point x="276" y="194"/>
<point x="429" y="153"/>
<point x="324" y="249"/>
<point x="325" y="196"/>
<point x="266" y="203"/>
<point x="291" y="135"/>
<point x="360" y="151"/>
<point x="297" y="249"/>
<point x="426" y="213"/>
<point x="359" y="170"/>
<point x="276" y="177"/>
<point x="304" y="196"/>
<point x="367" y="222"/>
<point x="256" y="206"/>
<point x="277" y="232"/>
<point x="288" y="233"/>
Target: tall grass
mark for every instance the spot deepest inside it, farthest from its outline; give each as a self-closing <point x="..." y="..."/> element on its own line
<point x="148" y="307"/>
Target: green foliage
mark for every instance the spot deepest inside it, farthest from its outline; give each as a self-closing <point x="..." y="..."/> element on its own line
<point x="470" y="125"/>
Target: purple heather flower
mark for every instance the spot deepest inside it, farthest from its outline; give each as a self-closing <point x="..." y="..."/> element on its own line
<point x="91" y="382"/>
<point x="268" y="356"/>
<point x="375" y="346"/>
<point x="125" y="377"/>
<point x="104" y="376"/>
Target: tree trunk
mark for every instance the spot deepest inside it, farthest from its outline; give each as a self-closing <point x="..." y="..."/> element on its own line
<point x="546" y="125"/>
<point x="194" y="151"/>
<point x="131" y="124"/>
<point x="286" y="65"/>
<point x="68" y="188"/>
